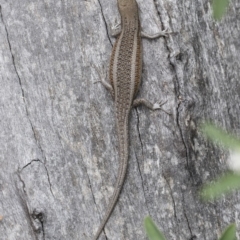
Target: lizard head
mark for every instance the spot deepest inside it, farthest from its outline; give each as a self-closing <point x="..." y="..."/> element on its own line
<point x="128" y="7"/>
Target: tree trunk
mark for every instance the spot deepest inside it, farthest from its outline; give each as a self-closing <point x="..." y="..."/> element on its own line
<point x="59" y="150"/>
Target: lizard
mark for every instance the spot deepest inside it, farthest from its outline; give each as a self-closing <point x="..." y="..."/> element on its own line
<point x="125" y="77"/>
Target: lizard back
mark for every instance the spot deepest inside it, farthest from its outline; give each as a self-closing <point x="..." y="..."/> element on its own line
<point x="126" y="60"/>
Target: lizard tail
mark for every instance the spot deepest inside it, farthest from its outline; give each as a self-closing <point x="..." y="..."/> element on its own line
<point x="123" y="142"/>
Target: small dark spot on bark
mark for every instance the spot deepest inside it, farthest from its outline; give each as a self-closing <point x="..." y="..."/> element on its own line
<point x="38" y="215"/>
<point x="179" y="57"/>
<point x="193" y="237"/>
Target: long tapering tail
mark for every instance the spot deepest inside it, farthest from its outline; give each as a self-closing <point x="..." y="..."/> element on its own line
<point x="123" y="141"/>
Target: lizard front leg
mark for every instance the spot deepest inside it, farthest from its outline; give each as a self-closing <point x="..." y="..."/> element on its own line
<point x="116" y="30"/>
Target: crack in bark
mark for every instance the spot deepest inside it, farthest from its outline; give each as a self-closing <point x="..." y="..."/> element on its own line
<point x="185" y="215"/>
<point x="105" y="22"/>
<point x="15" y="69"/>
<point x="49" y="182"/>
<point x="158" y="13"/>
<point x="172" y="61"/>
<point x="21" y="180"/>
<point x="142" y="184"/>
<point x="184" y="141"/>
<point x="173" y="201"/>
<point x="139" y="135"/>
<point x="192" y="237"/>
<point x="171" y="194"/>
<point x="24" y="99"/>
<point x="24" y="203"/>
<point x="48" y="177"/>
<point x="34" y="160"/>
<point x="177" y="91"/>
<point x="20" y="84"/>
<point x="90" y="185"/>
<point x="34" y="215"/>
<point x="160" y="19"/>
<point x="13" y="58"/>
<point x="181" y="133"/>
<point x="42" y="229"/>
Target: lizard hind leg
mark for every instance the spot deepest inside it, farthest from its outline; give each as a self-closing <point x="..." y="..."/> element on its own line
<point x="153" y="106"/>
<point x="163" y="33"/>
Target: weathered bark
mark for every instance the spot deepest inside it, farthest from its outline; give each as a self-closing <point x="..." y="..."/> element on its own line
<point x="59" y="152"/>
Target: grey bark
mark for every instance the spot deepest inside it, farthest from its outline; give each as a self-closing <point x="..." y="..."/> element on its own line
<point x="59" y="153"/>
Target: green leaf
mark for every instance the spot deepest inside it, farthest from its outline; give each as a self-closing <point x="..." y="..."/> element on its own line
<point x="219" y="8"/>
<point x="229" y="233"/>
<point x="218" y="135"/>
<point x="152" y="231"/>
<point x="225" y="184"/>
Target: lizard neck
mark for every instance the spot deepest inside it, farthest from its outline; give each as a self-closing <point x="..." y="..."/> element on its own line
<point x="131" y="22"/>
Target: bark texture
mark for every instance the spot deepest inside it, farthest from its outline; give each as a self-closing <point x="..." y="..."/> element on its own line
<point x="59" y="150"/>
